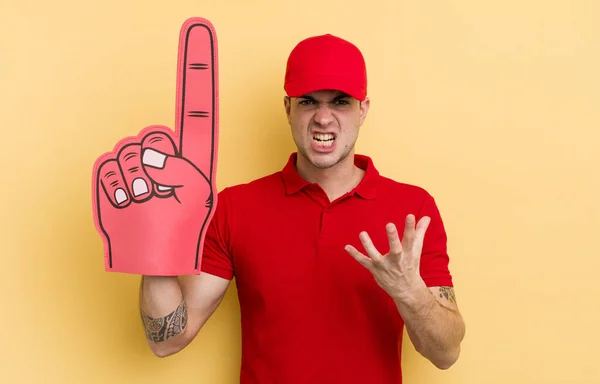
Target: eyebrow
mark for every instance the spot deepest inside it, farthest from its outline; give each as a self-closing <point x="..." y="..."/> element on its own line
<point x="341" y="96"/>
<point x="336" y="98"/>
<point x="306" y="97"/>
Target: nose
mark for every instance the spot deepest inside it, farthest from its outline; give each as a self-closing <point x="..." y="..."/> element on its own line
<point x="324" y="115"/>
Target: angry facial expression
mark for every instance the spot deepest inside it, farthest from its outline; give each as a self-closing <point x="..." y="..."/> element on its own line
<point x="325" y="125"/>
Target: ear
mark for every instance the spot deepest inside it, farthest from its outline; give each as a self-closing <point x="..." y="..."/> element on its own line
<point x="287" y="103"/>
<point x="364" y="109"/>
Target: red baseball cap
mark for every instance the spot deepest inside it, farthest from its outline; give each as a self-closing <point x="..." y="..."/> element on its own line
<point x="326" y="62"/>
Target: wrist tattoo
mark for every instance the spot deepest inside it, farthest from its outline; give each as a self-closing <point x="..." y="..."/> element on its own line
<point x="162" y="328"/>
<point x="448" y="293"/>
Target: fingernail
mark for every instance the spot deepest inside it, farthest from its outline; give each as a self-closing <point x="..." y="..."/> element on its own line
<point x="162" y="188"/>
<point x="153" y="158"/>
<point x="120" y="196"/>
<point x="139" y="187"/>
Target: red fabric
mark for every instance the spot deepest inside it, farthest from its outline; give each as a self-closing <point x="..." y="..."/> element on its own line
<point x="326" y="62"/>
<point x="310" y="313"/>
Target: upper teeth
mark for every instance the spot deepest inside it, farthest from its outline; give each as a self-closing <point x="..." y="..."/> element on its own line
<point x="323" y="137"/>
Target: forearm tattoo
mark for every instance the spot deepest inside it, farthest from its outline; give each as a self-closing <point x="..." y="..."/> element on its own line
<point x="162" y="328"/>
<point x="448" y="293"/>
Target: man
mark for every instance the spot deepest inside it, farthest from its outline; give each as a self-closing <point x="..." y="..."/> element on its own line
<point x="331" y="259"/>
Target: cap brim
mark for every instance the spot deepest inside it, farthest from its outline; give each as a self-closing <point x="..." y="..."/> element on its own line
<point x="300" y="87"/>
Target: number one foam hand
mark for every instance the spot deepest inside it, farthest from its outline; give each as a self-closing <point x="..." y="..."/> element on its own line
<point x="155" y="194"/>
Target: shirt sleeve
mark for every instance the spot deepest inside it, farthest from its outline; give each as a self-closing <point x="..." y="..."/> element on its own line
<point x="434" y="256"/>
<point x="216" y="253"/>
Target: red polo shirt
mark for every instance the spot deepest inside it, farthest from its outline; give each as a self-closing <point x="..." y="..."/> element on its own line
<point x="309" y="312"/>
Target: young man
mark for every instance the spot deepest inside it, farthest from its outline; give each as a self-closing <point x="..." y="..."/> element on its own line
<point x="331" y="259"/>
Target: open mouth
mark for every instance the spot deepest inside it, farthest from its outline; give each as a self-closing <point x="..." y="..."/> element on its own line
<point x="324" y="139"/>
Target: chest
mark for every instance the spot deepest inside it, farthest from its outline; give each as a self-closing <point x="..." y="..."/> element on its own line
<point x="295" y="250"/>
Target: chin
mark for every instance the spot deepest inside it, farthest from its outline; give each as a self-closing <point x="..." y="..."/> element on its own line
<point x="325" y="160"/>
<point x="323" y="163"/>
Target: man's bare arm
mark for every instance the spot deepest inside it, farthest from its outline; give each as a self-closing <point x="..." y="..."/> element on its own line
<point x="434" y="324"/>
<point x="174" y="309"/>
<point x="161" y="328"/>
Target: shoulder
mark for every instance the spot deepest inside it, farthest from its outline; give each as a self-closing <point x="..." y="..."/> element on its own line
<point x="238" y="205"/>
<point x="392" y="189"/>
<point x="407" y="198"/>
<point x="252" y="190"/>
<point x="383" y="183"/>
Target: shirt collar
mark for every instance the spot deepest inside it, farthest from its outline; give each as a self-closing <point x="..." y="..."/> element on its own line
<point x="293" y="182"/>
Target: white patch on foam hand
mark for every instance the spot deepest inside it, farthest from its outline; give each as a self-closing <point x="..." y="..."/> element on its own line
<point x="139" y="187"/>
<point x="163" y="188"/>
<point x="153" y="158"/>
<point x="120" y="196"/>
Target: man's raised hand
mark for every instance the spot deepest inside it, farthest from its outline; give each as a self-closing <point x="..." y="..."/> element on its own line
<point x="398" y="271"/>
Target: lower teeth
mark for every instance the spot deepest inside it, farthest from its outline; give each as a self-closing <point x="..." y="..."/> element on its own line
<point x="324" y="143"/>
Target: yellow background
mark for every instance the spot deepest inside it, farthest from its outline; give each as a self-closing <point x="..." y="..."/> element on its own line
<point x="493" y="106"/>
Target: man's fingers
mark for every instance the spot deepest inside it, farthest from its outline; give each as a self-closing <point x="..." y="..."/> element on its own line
<point x="393" y="239"/>
<point x="409" y="232"/>
<point x="358" y="256"/>
<point x="370" y="247"/>
<point x="138" y="183"/>
<point x="111" y="185"/>
<point x="197" y="94"/>
<point x="422" y="226"/>
<point x="160" y="142"/>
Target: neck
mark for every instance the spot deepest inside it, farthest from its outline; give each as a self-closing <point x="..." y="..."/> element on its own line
<point x="335" y="181"/>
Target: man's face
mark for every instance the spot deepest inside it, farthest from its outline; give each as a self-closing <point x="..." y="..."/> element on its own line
<point x="325" y="125"/>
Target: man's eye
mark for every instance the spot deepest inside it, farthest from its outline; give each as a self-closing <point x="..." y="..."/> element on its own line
<point x="342" y="102"/>
<point x="305" y="102"/>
